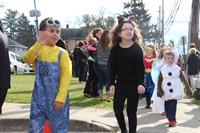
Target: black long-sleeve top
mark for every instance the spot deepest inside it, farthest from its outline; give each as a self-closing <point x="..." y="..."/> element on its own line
<point x="193" y="63"/>
<point x="4" y="64"/>
<point x="81" y="57"/>
<point x="127" y="64"/>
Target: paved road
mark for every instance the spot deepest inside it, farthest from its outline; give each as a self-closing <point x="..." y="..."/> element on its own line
<point x="188" y="117"/>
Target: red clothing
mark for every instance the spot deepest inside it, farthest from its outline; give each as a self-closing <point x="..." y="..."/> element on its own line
<point x="148" y="61"/>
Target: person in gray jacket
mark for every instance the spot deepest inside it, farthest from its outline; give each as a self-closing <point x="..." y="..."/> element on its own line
<point x="102" y="65"/>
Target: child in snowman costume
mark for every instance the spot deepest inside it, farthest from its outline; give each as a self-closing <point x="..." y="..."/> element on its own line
<point x="170" y="86"/>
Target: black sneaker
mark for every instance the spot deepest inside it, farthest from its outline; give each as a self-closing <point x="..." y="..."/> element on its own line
<point x="147" y="107"/>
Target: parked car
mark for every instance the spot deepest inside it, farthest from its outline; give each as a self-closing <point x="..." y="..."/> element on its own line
<point x="28" y="68"/>
<point x="17" y="66"/>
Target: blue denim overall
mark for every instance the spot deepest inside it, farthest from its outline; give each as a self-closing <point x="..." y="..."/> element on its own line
<point x="44" y="94"/>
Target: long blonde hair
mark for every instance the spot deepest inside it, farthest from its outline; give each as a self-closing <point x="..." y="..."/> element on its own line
<point x="93" y="34"/>
<point x="161" y="53"/>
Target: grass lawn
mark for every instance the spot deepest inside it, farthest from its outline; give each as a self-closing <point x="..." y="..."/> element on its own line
<point x="197" y="102"/>
<point x="22" y="86"/>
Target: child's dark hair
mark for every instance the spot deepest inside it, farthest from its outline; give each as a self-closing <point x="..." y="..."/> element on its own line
<point x="169" y="53"/>
<point x="192" y="45"/>
<point x="85" y="42"/>
<point x="81" y="43"/>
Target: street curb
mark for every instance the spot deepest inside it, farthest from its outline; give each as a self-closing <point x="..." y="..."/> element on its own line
<point x="22" y="125"/>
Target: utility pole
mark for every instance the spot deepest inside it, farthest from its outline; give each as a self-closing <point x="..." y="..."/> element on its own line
<point x="35" y="13"/>
<point x="159" y="26"/>
<point x="194" y="25"/>
<point x="163" y="39"/>
<point x="36" y="17"/>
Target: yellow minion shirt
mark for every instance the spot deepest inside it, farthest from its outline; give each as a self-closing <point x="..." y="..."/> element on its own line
<point x="50" y="54"/>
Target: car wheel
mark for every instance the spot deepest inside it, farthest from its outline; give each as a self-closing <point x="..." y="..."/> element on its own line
<point x="15" y="70"/>
<point x="12" y="72"/>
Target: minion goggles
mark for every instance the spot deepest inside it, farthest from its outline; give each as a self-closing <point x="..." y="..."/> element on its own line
<point x="51" y="23"/>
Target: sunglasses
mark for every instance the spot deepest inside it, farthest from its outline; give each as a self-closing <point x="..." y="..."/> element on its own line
<point x="51" y="23"/>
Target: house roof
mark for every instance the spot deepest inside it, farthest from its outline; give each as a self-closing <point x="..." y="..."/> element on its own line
<point x="67" y="34"/>
<point x="16" y="44"/>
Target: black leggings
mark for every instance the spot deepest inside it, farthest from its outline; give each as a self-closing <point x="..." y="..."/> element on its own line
<point x="91" y="84"/>
<point x="126" y="91"/>
<point x="3" y="93"/>
<point x="81" y="67"/>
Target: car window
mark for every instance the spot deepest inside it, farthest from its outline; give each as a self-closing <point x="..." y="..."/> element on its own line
<point x="19" y="59"/>
<point x="11" y="56"/>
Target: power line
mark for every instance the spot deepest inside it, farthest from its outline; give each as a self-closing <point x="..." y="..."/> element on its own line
<point x="173" y="17"/>
<point x="171" y="14"/>
<point x="169" y="6"/>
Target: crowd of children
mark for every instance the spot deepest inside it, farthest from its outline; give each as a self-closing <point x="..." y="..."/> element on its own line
<point x="117" y="60"/>
<point x="148" y="66"/>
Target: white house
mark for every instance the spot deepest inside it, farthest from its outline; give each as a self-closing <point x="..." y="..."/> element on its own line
<point x="17" y="47"/>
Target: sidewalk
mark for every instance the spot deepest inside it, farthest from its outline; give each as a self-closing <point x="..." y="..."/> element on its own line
<point x="188" y="117"/>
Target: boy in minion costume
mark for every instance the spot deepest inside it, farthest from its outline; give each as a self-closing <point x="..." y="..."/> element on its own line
<point x="53" y="70"/>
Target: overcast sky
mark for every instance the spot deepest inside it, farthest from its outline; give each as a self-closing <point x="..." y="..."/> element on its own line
<point x="67" y="12"/>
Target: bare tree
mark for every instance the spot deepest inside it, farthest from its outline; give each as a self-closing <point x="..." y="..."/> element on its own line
<point x="87" y="20"/>
<point x="92" y="21"/>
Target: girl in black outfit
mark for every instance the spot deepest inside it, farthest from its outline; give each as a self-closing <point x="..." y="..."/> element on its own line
<point x="81" y="59"/>
<point x="126" y="72"/>
<point x="90" y="89"/>
<point x="91" y="83"/>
